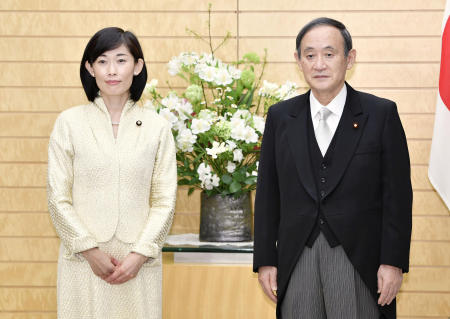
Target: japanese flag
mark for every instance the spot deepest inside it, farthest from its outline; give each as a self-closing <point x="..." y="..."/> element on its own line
<point x="439" y="167"/>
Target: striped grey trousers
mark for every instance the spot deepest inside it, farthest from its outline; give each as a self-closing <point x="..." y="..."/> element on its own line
<point x="325" y="285"/>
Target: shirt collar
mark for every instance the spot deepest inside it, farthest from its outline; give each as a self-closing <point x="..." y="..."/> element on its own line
<point x="100" y="103"/>
<point x="336" y="106"/>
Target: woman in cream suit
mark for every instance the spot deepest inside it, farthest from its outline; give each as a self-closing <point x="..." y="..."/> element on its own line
<point x="111" y="188"/>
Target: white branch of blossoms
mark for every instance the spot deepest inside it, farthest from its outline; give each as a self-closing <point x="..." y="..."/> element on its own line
<point x="217" y="132"/>
<point x="207" y="67"/>
<point x="217" y="148"/>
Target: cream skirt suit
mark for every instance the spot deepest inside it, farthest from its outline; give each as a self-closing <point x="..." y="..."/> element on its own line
<point x="114" y="193"/>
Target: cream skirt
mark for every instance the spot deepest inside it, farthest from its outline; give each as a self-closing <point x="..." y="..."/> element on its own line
<point x="81" y="294"/>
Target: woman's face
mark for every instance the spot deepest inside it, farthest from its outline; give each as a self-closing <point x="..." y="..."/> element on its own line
<point x="114" y="70"/>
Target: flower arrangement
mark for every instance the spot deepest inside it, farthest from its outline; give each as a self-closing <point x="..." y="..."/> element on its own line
<point x="218" y="120"/>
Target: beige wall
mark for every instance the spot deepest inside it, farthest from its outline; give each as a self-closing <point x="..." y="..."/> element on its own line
<point x="41" y="43"/>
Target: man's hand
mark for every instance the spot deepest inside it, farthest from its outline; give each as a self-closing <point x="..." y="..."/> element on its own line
<point x="267" y="276"/>
<point x="127" y="268"/>
<point x="389" y="282"/>
<point x="101" y="263"/>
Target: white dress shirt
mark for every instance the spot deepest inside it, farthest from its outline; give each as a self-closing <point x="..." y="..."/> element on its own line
<point x="336" y="106"/>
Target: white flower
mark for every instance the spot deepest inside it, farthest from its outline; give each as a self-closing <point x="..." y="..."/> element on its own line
<point x="168" y="115"/>
<point x="231" y="167"/>
<point x="181" y="106"/>
<point x="179" y="126"/>
<point x="203" y="171"/>
<point x="234" y="72"/>
<point x="242" y="114"/>
<point x="207" y="184"/>
<point x="200" y="126"/>
<point x="223" y="77"/>
<point x="287" y="90"/>
<point x="189" y="58"/>
<point x="206" y="115"/>
<point x="215" y="180"/>
<point x="242" y="132"/>
<point x="237" y="155"/>
<point x="207" y="178"/>
<point x="216" y="149"/>
<point x="208" y="58"/>
<point x="231" y="145"/>
<point x="186" y="140"/>
<point x="236" y="122"/>
<point x="207" y="73"/>
<point x="151" y="86"/>
<point x="184" y="109"/>
<point x="290" y="95"/>
<point x="171" y="101"/>
<point x="199" y="66"/>
<point x="254" y="173"/>
<point x="268" y="89"/>
<point x="282" y="91"/>
<point x="250" y="135"/>
<point x="239" y="129"/>
<point x="211" y="182"/>
<point x="174" y="66"/>
<point x="239" y="132"/>
<point x="258" y="123"/>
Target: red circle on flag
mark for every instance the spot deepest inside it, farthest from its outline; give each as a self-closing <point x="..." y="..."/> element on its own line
<point x="444" y="77"/>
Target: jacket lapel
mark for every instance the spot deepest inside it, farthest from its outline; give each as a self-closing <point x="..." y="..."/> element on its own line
<point x="351" y="128"/>
<point x="298" y="142"/>
<point x="99" y="122"/>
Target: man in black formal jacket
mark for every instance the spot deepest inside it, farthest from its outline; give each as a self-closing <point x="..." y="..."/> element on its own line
<point x="334" y="199"/>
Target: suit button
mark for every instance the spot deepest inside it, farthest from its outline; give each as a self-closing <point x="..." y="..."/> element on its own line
<point x="323" y="180"/>
<point x="322" y="193"/>
<point x="321" y="221"/>
<point x="324" y="166"/>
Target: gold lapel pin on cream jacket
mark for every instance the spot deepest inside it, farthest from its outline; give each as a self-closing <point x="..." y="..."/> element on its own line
<point x="99" y="186"/>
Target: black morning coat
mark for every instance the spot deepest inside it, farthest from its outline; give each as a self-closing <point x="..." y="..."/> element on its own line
<point x="368" y="201"/>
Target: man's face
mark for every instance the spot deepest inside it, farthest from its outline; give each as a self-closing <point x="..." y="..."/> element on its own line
<point x="323" y="61"/>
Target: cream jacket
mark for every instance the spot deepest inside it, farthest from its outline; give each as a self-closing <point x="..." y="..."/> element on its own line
<point x="99" y="187"/>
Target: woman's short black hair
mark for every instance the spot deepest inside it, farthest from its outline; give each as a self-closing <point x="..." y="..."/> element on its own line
<point x="105" y="40"/>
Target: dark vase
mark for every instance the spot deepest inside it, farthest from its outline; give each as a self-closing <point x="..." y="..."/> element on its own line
<point x="225" y="218"/>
